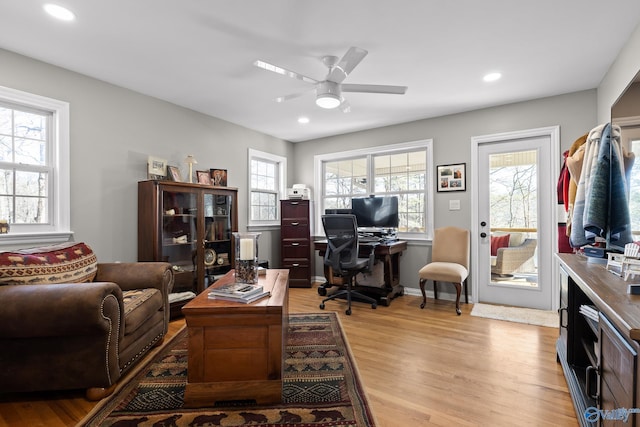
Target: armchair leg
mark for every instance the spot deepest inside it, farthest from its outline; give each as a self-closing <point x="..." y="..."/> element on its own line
<point x="98" y="393"/>
<point x="466" y="293"/>
<point x="424" y="295"/>
<point x="458" y="291"/>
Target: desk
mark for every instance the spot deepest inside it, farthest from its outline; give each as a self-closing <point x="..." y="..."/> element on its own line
<point x="389" y="254"/>
<point x="236" y="350"/>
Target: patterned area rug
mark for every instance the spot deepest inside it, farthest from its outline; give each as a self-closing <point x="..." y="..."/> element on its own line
<point x="320" y="387"/>
<point x="516" y="314"/>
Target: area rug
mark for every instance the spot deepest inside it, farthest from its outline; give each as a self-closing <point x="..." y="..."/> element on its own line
<point x="516" y="314"/>
<point x="321" y="386"/>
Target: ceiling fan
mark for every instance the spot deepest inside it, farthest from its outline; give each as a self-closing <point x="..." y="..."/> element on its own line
<point x="329" y="91"/>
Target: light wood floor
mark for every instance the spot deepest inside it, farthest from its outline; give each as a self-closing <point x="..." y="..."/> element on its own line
<point x="419" y="367"/>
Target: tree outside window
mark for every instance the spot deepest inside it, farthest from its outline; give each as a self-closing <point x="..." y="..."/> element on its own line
<point x="24" y="165"/>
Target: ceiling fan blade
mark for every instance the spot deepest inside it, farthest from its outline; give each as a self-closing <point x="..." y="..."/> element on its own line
<point x="292" y="96"/>
<point x="279" y="70"/>
<point x="394" y="90"/>
<point x="346" y="65"/>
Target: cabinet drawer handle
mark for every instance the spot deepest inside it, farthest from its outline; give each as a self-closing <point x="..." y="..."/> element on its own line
<point x="295" y="223"/>
<point x="295" y="203"/>
<point x="295" y="265"/>
<point x="591" y="369"/>
<point x="295" y="244"/>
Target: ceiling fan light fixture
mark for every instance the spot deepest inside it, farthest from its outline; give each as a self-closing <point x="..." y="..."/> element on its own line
<point x="328" y="101"/>
<point x="328" y="95"/>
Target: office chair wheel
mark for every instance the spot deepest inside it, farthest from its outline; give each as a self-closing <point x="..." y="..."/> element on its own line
<point x="374" y="306"/>
<point x="322" y="306"/>
<point x="322" y="291"/>
<point x="348" y="312"/>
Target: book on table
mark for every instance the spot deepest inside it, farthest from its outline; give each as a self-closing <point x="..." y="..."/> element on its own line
<point x="236" y="290"/>
<point x="241" y="299"/>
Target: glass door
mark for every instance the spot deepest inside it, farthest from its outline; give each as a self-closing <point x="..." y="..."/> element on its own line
<point x="515" y="244"/>
<point x="179" y="237"/>
<point x="218" y="258"/>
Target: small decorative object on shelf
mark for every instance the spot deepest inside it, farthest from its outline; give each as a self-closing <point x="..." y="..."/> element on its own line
<point x="190" y="161"/>
<point x="219" y="177"/>
<point x="4" y="226"/>
<point x="246" y="257"/>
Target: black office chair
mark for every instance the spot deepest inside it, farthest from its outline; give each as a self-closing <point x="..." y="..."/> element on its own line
<point x="342" y="256"/>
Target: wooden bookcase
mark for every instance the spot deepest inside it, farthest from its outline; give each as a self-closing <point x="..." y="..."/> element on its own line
<point x="189" y="226"/>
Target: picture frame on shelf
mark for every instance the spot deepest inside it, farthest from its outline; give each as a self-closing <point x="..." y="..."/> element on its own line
<point x="156" y="168"/>
<point x="218" y="177"/>
<point x="203" y="177"/>
<point x="174" y="173"/>
<point x="451" y="177"/>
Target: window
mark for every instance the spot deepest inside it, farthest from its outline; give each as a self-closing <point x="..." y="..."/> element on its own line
<point x="267" y="178"/>
<point x="34" y="167"/>
<point x="403" y="170"/>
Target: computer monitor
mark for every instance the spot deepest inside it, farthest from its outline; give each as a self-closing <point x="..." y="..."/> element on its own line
<point x="376" y="211"/>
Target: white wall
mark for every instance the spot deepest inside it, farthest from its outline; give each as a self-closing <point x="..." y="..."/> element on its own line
<point x="113" y="131"/>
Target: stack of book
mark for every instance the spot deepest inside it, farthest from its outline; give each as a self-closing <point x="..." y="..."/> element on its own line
<point x="238" y="292"/>
<point x="589" y="311"/>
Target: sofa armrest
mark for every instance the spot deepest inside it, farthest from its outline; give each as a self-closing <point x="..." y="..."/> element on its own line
<point x="140" y="275"/>
<point x="66" y="309"/>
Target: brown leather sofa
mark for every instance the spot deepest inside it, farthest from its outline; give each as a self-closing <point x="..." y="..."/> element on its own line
<point x="85" y="335"/>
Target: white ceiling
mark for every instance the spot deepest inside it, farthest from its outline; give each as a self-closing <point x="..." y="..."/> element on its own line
<point x="199" y="53"/>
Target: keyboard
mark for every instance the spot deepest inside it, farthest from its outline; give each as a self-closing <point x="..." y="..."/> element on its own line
<point x="368" y="239"/>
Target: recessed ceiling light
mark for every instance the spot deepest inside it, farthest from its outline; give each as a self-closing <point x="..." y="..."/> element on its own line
<point x="492" y="77"/>
<point x="303" y="120"/>
<point x="59" y="12"/>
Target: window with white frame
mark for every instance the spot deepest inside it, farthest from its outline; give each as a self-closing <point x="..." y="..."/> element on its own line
<point x="402" y="170"/>
<point x="34" y="167"/>
<point x="267" y="178"/>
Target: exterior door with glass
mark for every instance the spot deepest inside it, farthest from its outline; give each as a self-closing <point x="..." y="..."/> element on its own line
<point x="515" y="224"/>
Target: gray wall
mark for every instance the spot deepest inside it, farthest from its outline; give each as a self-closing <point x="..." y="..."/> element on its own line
<point x="619" y="76"/>
<point x="113" y="131"/>
<point x="574" y="112"/>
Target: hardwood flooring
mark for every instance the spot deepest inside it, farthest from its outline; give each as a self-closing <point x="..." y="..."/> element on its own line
<point x="419" y="368"/>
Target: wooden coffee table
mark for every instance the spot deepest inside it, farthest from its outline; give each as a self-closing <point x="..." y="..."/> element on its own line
<point x="236" y="350"/>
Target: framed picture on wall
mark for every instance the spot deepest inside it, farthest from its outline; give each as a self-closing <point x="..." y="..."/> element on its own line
<point x="219" y="177"/>
<point x="452" y="177"/>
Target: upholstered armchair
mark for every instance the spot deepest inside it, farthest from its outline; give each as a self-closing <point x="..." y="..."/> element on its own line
<point x="510" y="258"/>
<point x="69" y="322"/>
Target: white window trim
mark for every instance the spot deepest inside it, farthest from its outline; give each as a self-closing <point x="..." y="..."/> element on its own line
<point x="426" y="144"/>
<point x="60" y="229"/>
<point x="282" y="185"/>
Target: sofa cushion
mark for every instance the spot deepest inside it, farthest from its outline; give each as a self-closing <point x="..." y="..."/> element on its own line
<point x="64" y="263"/>
<point x="498" y="242"/>
<point x="139" y="306"/>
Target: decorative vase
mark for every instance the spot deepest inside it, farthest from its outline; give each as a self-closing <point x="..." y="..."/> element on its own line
<point x="246" y="257"/>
